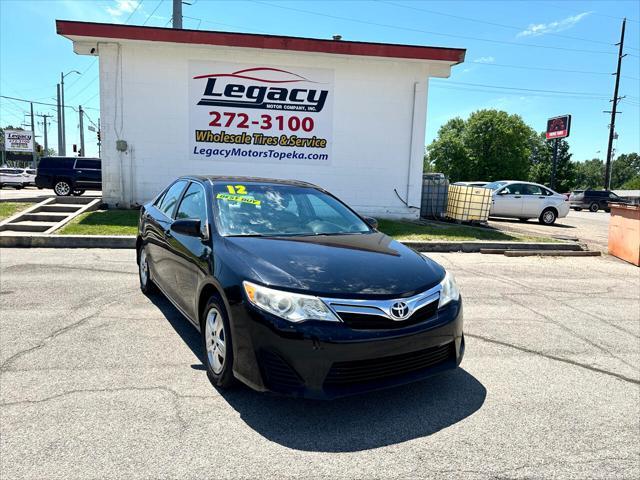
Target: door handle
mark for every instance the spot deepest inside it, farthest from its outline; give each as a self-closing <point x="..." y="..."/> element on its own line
<point x="542" y="198"/>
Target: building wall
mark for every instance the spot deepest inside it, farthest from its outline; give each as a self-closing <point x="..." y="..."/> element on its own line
<point x="379" y="115"/>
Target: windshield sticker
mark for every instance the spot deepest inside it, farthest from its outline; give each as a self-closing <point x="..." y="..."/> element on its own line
<point x="237" y="189"/>
<point x="236" y="198"/>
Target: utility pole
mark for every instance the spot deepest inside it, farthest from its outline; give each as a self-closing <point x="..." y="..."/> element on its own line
<point x="64" y="131"/>
<point x="61" y="149"/>
<point x="45" y="118"/>
<point x="612" y="126"/>
<point x="81" y="114"/>
<point x="177" y="14"/>
<point x="33" y="134"/>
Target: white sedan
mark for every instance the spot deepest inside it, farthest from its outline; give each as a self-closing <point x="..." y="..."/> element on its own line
<point x="525" y="200"/>
<point x="13" y="177"/>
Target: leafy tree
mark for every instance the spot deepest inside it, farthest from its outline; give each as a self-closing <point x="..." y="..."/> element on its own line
<point x="589" y="174"/>
<point x="633" y="184"/>
<point x="490" y="145"/>
<point x="624" y="168"/>
<point x="542" y="163"/>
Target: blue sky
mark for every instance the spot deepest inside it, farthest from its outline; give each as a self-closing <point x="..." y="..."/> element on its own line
<point x="519" y="54"/>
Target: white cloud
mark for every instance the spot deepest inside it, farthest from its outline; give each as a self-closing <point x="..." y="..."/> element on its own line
<point x="122" y="7"/>
<point x="484" y="60"/>
<point x="537" y="29"/>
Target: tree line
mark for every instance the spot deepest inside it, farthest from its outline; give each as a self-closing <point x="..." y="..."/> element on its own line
<point x="494" y="145"/>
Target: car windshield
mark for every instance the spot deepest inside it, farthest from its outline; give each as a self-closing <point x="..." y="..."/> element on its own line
<point x="495" y="185"/>
<point x="281" y="210"/>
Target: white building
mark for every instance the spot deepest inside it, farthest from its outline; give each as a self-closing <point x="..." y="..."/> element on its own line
<point x="348" y="116"/>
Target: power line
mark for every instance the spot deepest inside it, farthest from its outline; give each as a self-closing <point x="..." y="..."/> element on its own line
<point x="42" y="103"/>
<point x="152" y="13"/>
<point x="134" y="11"/>
<point x="502" y="87"/>
<point x="548" y="69"/>
<point x="450" y="35"/>
<point x="486" y="22"/>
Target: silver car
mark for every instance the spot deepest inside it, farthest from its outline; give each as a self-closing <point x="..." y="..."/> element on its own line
<point x="525" y="200"/>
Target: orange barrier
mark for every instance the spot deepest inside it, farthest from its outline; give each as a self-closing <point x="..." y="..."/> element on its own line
<point x="624" y="232"/>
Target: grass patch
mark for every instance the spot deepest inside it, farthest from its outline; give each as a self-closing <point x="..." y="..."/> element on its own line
<point x="103" y="222"/>
<point x="8" y="209"/>
<point x="406" y="230"/>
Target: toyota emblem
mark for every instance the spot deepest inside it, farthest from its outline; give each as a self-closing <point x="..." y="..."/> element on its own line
<point x="400" y="310"/>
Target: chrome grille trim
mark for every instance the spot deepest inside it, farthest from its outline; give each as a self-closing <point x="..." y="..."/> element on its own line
<point x="382" y="308"/>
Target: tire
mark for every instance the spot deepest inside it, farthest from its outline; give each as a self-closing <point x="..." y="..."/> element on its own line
<point x="577" y="209"/>
<point x="523" y="219"/>
<point x="594" y="207"/>
<point x="18" y="187"/>
<point x="217" y="343"/>
<point x="548" y="216"/>
<point x="77" y="193"/>
<point x="144" y="274"/>
<point x="62" y="188"/>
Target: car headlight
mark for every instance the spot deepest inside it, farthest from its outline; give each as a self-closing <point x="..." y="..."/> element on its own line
<point x="449" y="290"/>
<point x="290" y="306"/>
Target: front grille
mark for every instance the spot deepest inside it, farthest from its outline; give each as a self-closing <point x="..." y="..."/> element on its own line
<point x="362" y="371"/>
<point x="363" y="321"/>
<point x="278" y="375"/>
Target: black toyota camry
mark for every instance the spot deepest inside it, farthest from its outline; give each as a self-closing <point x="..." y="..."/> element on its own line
<point x="293" y="292"/>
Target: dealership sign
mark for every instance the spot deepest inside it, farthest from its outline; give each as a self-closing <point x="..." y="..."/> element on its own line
<point x="261" y="114"/>
<point x="558" y="127"/>
<point x="18" y="141"/>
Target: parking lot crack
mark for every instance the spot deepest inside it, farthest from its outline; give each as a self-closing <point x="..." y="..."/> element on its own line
<point x="556" y="358"/>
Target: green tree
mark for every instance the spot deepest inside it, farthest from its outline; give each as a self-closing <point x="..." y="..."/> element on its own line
<point x="624" y="168"/>
<point x="633" y="184"/>
<point x="542" y="163"/>
<point x="490" y="145"/>
<point x="589" y="174"/>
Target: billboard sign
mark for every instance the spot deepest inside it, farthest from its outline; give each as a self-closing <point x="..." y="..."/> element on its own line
<point x="258" y="114"/>
<point x="558" y="127"/>
<point x="18" y="141"/>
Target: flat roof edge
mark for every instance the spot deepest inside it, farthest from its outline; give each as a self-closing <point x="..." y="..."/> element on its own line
<point x="69" y="28"/>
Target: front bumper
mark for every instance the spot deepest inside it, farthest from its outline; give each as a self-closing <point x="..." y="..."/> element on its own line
<point x="324" y="360"/>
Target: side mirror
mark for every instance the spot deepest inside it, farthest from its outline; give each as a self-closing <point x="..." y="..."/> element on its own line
<point x="187" y="226"/>
<point x="372" y="222"/>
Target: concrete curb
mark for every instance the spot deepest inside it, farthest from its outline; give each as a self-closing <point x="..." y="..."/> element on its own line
<point x="114" y="241"/>
<point x="67" y="241"/>
<point x="551" y="253"/>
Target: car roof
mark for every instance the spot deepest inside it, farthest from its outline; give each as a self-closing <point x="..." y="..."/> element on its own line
<point x="218" y="179"/>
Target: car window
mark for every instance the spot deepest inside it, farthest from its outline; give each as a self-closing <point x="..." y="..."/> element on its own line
<point x="193" y="203"/>
<point x="88" y="164"/>
<point x="494" y="185"/>
<point x="531" y="190"/>
<point x="170" y="199"/>
<point x="514" y="189"/>
<point x="261" y="209"/>
<point x="613" y="195"/>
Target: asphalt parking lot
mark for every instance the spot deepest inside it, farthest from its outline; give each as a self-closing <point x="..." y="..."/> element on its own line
<point x="587" y="227"/>
<point x="99" y="381"/>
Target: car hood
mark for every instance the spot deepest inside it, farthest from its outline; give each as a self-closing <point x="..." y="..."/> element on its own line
<point x="353" y="266"/>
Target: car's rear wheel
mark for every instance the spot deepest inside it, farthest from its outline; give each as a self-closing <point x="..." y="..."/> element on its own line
<point x="216" y="339"/>
<point x="577" y="209"/>
<point x="144" y="274"/>
<point x="62" y="188"/>
<point x="594" y="207"/>
<point x="548" y="216"/>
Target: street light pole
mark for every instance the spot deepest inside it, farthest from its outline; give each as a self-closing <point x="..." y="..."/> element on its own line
<point x="81" y="112"/>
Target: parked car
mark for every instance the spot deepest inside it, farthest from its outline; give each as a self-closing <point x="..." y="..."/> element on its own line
<point x="594" y="200"/>
<point x="30" y="176"/>
<point x="525" y="200"/>
<point x="471" y="184"/>
<point x="13" y="177"/>
<point x="294" y="292"/>
<point x="69" y="175"/>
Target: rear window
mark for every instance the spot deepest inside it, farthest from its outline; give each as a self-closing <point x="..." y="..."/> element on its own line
<point x="88" y="164"/>
<point x="56" y="162"/>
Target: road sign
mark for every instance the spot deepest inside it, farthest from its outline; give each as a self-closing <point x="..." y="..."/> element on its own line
<point x="558" y="127"/>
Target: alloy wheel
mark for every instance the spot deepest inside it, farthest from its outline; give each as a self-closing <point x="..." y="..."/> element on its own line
<point x="62" y="188"/>
<point x="143" y="268"/>
<point x="215" y="338"/>
<point x="548" y="216"/>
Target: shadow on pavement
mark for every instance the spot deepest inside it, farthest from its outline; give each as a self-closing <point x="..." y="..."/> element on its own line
<point x="530" y="222"/>
<point x="349" y="424"/>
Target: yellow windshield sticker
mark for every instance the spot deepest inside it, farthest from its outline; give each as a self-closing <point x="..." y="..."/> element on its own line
<point x="236" y="198"/>
<point x="237" y="189"/>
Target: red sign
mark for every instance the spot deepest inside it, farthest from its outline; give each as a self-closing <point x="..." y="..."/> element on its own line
<point x="558" y="127"/>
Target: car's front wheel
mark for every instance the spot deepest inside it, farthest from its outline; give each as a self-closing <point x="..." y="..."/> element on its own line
<point x="548" y="217"/>
<point x="594" y="207"/>
<point x="146" y="284"/>
<point x="62" y="188"/>
<point x="216" y="339"/>
<point x="577" y="209"/>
